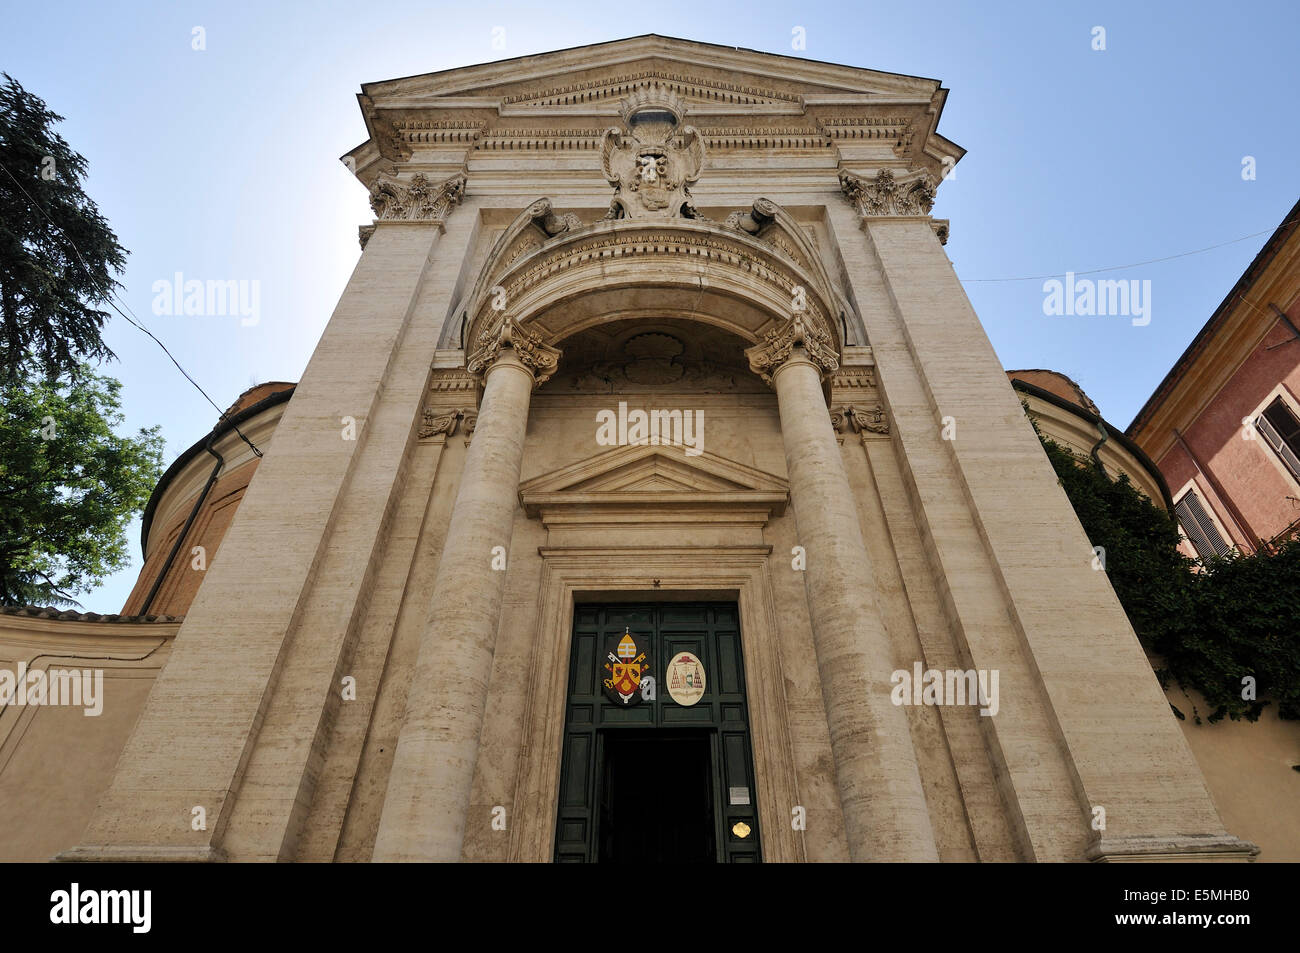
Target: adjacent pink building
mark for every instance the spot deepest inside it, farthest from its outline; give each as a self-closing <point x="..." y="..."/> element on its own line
<point x="1224" y="424"/>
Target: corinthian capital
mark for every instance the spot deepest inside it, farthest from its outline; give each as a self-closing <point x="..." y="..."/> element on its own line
<point x="539" y="358"/>
<point x="777" y="346"/>
<point x="911" y="194"/>
<point x="415" y="200"/>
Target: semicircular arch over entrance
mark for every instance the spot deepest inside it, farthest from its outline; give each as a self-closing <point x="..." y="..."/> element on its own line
<point x="549" y="277"/>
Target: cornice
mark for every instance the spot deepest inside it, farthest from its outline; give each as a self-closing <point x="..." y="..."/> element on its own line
<point x="854" y="379"/>
<point x="452" y="379"/>
<point x="815" y="134"/>
<point x="843" y="124"/>
<point x="540" y="138"/>
<point x="624" y="57"/>
<point x="415" y="131"/>
<point x="622" y="485"/>
<point x="1201" y="379"/>
<point x="843" y="128"/>
<point x="24" y="625"/>
<point x="720" y="139"/>
<point x="471" y="107"/>
<point x="616" y="87"/>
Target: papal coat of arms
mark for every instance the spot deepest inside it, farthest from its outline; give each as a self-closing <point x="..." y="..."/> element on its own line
<point x="653" y="160"/>
<point x="626" y="664"/>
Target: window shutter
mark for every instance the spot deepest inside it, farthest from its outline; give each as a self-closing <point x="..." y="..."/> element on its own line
<point x="1280" y="429"/>
<point x="1199" y="527"/>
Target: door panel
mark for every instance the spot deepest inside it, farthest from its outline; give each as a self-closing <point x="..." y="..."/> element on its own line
<point x="616" y="758"/>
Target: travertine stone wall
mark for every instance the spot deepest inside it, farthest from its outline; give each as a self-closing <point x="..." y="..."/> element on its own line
<point x="362" y="547"/>
<point x="264" y="647"/>
<point x="1079" y="713"/>
<point x="434" y="765"/>
<point x="966" y="812"/>
<point x="876" y="765"/>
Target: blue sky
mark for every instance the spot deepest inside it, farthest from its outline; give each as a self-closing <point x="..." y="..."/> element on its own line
<point x="223" y="163"/>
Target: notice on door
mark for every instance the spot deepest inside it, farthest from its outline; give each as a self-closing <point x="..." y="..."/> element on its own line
<point x="685" y="679"/>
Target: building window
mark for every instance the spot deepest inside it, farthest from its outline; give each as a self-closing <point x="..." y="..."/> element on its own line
<point x="1198" y="527"/>
<point x="1281" y="430"/>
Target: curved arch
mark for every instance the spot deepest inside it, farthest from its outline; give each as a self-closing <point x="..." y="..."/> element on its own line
<point x="770" y="222"/>
<point x="530" y="228"/>
<point x="756" y="276"/>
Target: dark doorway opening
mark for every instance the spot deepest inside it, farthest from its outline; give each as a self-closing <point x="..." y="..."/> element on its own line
<point x="657" y="798"/>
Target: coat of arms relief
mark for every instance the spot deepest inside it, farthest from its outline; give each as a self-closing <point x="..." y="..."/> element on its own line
<point x="653" y="160"/>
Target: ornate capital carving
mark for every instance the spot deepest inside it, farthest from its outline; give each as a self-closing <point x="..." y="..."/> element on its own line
<point x="777" y="346"/>
<point x="850" y="419"/>
<point x="652" y="160"/>
<point x="416" y="200"/>
<point x="363" y="234"/>
<point x="539" y="358"/>
<point x="443" y="424"/>
<point x="913" y="194"/>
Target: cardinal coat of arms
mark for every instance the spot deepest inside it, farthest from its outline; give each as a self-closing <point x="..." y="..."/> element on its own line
<point x="653" y="160"/>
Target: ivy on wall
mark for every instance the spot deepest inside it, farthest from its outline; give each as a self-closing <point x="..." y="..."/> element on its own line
<point x="1216" y="623"/>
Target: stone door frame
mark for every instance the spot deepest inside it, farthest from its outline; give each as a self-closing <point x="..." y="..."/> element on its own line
<point x="588" y="574"/>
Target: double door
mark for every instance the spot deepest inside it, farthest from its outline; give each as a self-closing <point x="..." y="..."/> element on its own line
<point x="664" y="778"/>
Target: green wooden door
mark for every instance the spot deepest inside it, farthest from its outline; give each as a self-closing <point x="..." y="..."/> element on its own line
<point x="657" y="780"/>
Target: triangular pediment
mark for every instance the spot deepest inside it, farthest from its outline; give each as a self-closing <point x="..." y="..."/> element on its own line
<point x="702" y="73"/>
<point x="655" y="476"/>
<point x="564" y="101"/>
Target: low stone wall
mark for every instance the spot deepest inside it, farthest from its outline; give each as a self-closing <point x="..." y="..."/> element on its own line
<point x="84" y="681"/>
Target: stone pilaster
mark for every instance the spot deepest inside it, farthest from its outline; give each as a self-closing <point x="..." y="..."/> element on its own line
<point x="252" y="685"/>
<point x="879" y="782"/>
<point x="1082" y="723"/>
<point x="424" y="815"/>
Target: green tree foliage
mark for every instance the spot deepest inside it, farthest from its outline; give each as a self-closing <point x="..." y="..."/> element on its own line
<point x="1245" y="622"/>
<point x="57" y="254"/>
<point x="1213" y="622"/>
<point x="69" y="485"/>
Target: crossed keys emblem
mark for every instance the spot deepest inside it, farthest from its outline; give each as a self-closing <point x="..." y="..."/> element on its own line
<point x="625" y="666"/>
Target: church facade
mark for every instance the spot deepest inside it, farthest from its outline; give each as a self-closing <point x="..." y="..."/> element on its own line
<point x="653" y="492"/>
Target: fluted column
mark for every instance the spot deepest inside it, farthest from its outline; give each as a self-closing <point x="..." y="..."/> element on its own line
<point x="879" y="783"/>
<point x="428" y="793"/>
